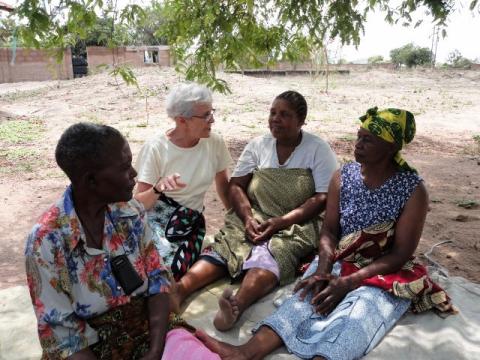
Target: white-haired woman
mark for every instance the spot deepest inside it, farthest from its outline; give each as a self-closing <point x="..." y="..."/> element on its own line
<point x="175" y="170"/>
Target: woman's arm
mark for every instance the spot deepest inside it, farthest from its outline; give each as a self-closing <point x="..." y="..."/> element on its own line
<point x="158" y="297"/>
<point x="221" y="185"/>
<point x="407" y="235"/>
<point x="327" y="243"/>
<point x="330" y="228"/>
<point x="158" y="311"/>
<point x="309" y="209"/>
<point x="408" y="231"/>
<point x="59" y="327"/>
<point x="237" y="195"/>
<point x="147" y="196"/>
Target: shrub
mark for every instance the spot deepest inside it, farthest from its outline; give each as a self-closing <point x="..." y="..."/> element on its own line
<point x="456" y="60"/>
<point x="410" y="56"/>
<point x="375" y="59"/>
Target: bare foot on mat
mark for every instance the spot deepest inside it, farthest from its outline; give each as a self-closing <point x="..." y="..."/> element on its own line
<point x="228" y="313"/>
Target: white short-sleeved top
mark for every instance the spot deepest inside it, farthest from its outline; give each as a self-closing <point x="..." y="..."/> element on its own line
<point x="312" y="153"/>
<point x="197" y="166"/>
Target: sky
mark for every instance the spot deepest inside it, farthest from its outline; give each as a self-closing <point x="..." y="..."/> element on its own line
<point x="463" y="33"/>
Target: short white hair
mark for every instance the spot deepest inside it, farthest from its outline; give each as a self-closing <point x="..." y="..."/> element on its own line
<point x="181" y="99"/>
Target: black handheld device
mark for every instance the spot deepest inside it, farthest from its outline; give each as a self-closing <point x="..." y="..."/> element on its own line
<point x="125" y="274"/>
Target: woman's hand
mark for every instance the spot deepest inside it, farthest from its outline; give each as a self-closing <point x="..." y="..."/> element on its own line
<point x="327" y="299"/>
<point x="258" y="232"/>
<point x="268" y="228"/>
<point x="170" y="183"/>
<point x="252" y="228"/>
<point x="314" y="284"/>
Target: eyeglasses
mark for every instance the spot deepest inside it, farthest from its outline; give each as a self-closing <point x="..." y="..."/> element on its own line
<point x="207" y="117"/>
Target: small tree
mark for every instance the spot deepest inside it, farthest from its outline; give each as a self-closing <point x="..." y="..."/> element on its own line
<point x="7" y="29"/>
<point x="420" y="56"/>
<point x="410" y="56"/>
<point x="375" y="59"/>
<point x="456" y="60"/>
<point x="143" y="30"/>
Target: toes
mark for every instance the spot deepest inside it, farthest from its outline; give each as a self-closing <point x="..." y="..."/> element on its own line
<point x="227" y="293"/>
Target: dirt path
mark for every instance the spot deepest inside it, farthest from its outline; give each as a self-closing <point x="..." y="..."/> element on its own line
<point x="446" y="105"/>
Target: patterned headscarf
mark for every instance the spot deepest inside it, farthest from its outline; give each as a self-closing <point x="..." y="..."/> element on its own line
<point x="392" y="125"/>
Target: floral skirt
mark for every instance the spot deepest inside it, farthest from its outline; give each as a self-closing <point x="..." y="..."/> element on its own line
<point x="123" y="332"/>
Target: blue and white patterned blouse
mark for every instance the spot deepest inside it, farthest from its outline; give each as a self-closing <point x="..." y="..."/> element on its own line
<point x="70" y="282"/>
<point x="361" y="207"/>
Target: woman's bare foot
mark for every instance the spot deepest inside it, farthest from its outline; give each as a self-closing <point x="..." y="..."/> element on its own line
<point x="228" y="313"/>
<point x="226" y="351"/>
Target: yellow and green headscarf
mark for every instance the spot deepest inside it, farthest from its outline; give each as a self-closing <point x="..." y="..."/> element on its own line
<point x="392" y="125"/>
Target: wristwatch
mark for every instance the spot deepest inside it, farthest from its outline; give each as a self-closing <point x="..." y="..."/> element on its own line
<point x="156" y="191"/>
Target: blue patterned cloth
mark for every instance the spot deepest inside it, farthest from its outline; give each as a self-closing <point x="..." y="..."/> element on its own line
<point x="361" y="207"/>
<point x="366" y="314"/>
<point x="350" y="331"/>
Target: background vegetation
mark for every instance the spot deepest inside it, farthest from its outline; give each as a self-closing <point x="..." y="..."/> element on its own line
<point x="229" y="34"/>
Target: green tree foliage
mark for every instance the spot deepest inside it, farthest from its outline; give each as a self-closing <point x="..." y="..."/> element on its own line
<point x="375" y="59"/>
<point x="144" y="30"/>
<point x="59" y="24"/>
<point x="7" y="29"/>
<point x="456" y="60"/>
<point x="109" y="32"/>
<point x="410" y="56"/>
<point x="207" y="34"/>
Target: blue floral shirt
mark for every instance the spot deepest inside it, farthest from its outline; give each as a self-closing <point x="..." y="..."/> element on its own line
<point x="70" y="282"/>
<point x="361" y="207"/>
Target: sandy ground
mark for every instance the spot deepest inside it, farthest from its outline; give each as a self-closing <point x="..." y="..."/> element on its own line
<point x="446" y="106"/>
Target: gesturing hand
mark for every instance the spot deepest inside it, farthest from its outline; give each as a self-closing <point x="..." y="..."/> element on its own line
<point x="170" y="183"/>
<point x="314" y="284"/>
<point x="327" y="299"/>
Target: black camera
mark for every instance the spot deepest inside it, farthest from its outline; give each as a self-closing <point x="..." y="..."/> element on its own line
<point x="125" y="274"/>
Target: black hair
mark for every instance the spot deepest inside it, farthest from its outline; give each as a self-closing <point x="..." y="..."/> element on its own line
<point x="84" y="146"/>
<point x="297" y="101"/>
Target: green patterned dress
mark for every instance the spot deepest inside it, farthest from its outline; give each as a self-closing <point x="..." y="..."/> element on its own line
<point x="272" y="192"/>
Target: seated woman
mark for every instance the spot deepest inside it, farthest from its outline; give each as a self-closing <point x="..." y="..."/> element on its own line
<point x="365" y="277"/>
<point x="182" y="163"/>
<point x="96" y="280"/>
<point x="277" y="191"/>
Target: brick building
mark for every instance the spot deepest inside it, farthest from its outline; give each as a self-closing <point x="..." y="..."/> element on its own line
<point x="22" y="64"/>
<point x="135" y="56"/>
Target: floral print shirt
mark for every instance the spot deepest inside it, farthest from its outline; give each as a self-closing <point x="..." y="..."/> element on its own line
<point x="361" y="207"/>
<point x="70" y="282"/>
